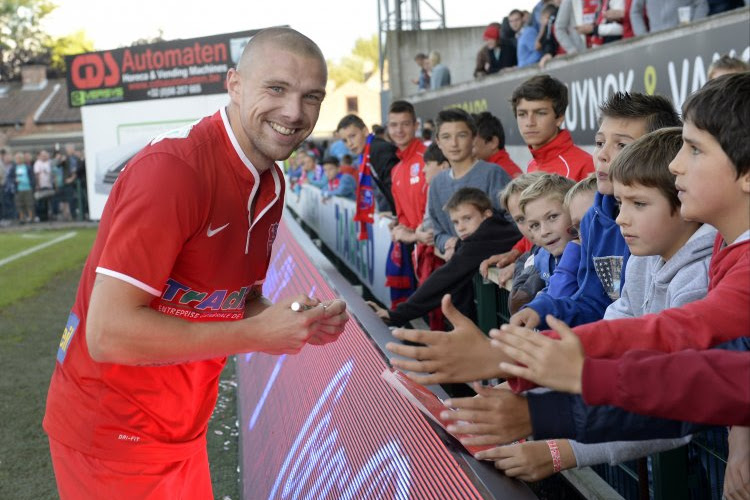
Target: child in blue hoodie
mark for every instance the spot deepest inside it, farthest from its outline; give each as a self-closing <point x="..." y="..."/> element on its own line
<point x="604" y="254"/>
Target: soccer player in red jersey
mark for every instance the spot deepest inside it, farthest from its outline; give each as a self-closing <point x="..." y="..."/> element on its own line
<point x="173" y="285"/>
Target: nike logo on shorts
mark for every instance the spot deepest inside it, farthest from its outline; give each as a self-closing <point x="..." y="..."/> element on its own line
<point x="211" y="232"/>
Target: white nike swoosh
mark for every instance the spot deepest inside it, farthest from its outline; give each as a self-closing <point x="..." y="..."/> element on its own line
<point x="210" y="232"/>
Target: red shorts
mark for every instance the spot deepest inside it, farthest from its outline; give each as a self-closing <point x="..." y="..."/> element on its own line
<point x="80" y="476"/>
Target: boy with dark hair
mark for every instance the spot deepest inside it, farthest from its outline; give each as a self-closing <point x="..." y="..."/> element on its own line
<point x="480" y="232"/>
<point x="339" y="183"/>
<point x="489" y="144"/>
<point x="409" y="191"/>
<point x="455" y="137"/>
<point x="539" y="106"/>
<point x="604" y="254"/>
<point x="376" y="160"/>
<point x="346" y="166"/>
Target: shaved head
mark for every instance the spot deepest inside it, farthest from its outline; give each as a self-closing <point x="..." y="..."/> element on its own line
<point x="281" y="39"/>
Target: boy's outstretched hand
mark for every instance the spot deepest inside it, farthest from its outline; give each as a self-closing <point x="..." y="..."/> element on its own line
<point x="461" y="355"/>
<point x="557" y="364"/>
<point x="494" y="416"/>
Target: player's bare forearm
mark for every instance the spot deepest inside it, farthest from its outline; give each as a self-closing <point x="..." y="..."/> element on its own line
<point x="123" y="329"/>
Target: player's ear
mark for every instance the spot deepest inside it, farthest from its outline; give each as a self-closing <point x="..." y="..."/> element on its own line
<point x="234" y="83"/>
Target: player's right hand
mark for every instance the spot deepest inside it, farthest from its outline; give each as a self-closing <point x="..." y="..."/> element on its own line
<point x="287" y="331"/>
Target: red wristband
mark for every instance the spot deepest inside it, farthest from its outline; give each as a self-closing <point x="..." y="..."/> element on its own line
<point x="555" y="452"/>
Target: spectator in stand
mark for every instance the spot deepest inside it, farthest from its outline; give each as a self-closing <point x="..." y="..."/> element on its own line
<point x="573" y="19"/>
<point x="481" y="232"/>
<point x="347" y="167"/>
<point x="21" y="177"/>
<point x="546" y="42"/>
<point x="510" y="29"/>
<point x="489" y="144"/>
<point x="440" y="75"/>
<point x="409" y="191"/>
<point x="455" y="137"/>
<point x="427" y="262"/>
<point x="612" y="23"/>
<point x="539" y="106"/>
<point x="496" y="54"/>
<point x="339" y="183"/>
<point x="381" y="154"/>
<point x="380" y="132"/>
<point x="527" y="53"/>
<point x="337" y="148"/>
<point x="662" y="14"/>
<point x="423" y="81"/>
<point x="726" y="65"/>
<point x="548" y="221"/>
<point x="312" y="173"/>
<point x="426" y="136"/>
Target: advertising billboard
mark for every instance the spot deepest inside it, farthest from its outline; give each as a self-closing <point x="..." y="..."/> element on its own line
<point x="178" y="68"/>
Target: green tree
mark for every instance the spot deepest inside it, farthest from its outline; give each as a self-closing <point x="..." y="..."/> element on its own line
<point x="359" y="65"/>
<point x="75" y="43"/>
<point x="22" y="39"/>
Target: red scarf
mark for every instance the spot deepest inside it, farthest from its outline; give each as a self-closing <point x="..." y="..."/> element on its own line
<point x="365" y="213"/>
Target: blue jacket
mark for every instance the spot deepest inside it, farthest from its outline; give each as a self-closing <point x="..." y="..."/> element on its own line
<point x="601" y="272"/>
<point x="564" y="281"/>
<point x="545" y="265"/>
<point x="347" y="188"/>
<point x="526" y="52"/>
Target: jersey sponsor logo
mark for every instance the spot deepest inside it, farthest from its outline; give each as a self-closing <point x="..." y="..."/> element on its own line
<point x="211" y="232"/>
<point x="201" y="301"/>
<point x="67" y="337"/>
<point x="414" y="169"/>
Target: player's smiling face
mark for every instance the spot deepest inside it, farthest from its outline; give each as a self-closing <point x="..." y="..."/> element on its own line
<point x="278" y="96"/>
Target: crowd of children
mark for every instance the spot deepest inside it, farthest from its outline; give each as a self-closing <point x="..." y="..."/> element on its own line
<point x="638" y="274"/>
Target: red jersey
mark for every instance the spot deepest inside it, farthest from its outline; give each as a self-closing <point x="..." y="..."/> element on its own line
<point x="177" y="225"/>
<point x="503" y="159"/>
<point x="561" y="156"/>
<point x="408" y="186"/>
<point x="348" y="169"/>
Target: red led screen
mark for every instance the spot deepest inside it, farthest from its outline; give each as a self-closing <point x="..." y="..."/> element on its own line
<point x="323" y="424"/>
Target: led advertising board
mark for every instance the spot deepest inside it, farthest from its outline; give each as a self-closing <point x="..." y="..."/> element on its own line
<point x="323" y="424"/>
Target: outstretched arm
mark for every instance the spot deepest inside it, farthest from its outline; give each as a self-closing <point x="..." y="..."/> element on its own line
<point x="122" y="328"/>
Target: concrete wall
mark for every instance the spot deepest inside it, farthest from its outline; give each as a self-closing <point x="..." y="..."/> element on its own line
<point x="457" y="46"/>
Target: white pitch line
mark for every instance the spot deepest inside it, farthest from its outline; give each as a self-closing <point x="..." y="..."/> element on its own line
<point x="31" y="250"/>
